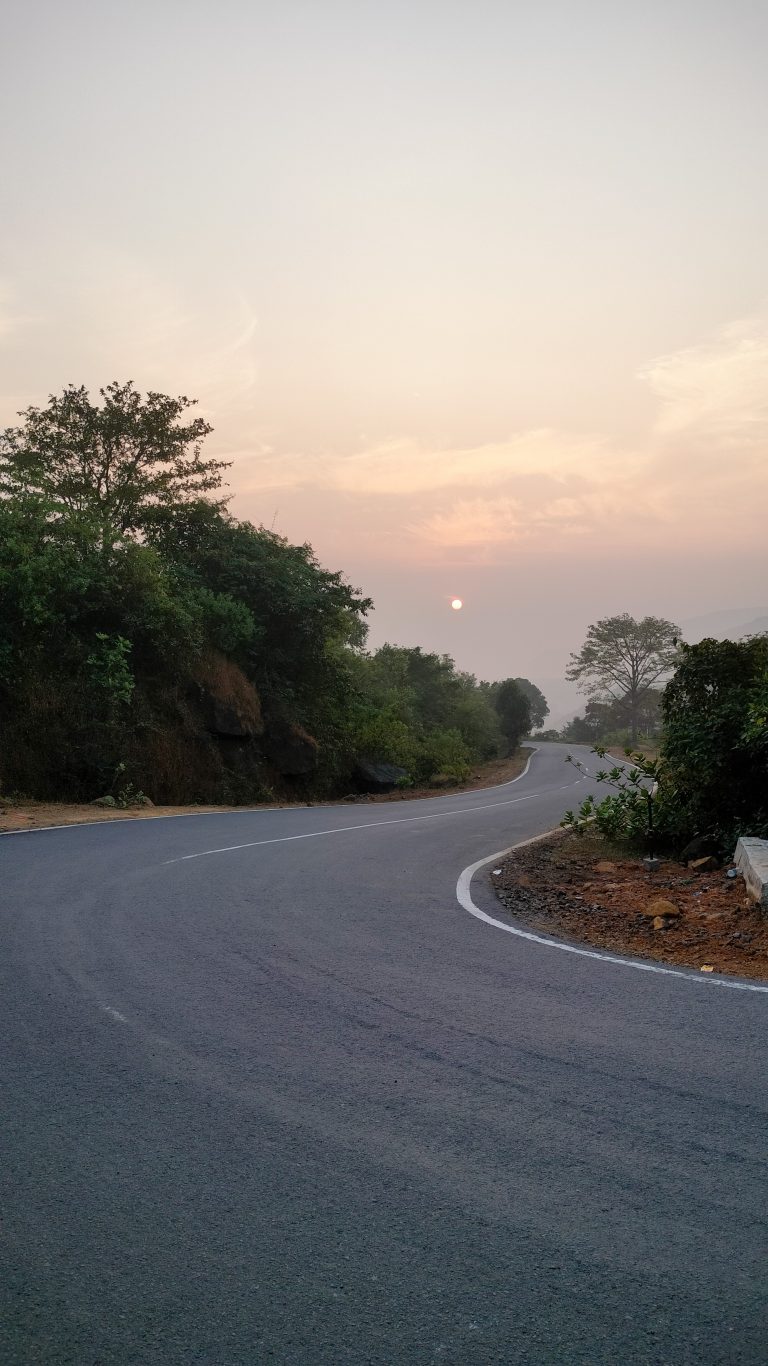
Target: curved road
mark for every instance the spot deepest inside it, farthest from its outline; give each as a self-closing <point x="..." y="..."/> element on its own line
<point x="288" y="1102"/>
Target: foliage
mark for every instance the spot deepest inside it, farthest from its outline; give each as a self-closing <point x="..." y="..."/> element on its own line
<point x="536" y="700"/>
<point x="631" y="814"/>
<point x="716" y="738"/>
<point x="109" y="669"/>
<point x="109" y="465"/>
<point x="621" y="659"/>
<point x="132" y="604"/>
<point x="514" y="712"/>
<point x="607" y="722"/>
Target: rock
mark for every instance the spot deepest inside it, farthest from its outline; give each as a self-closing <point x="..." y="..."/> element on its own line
<point x="699" y="847"/>
<point x="377" y="777"/>
<point x="144" y="801"/>
<point x="605" y="867"/>
<point x="708" y="864"/>
<point x="659" y="909"/>
<point x="662" y="922"/>
<point x="228" y="700"/>
<point x="225" y="718"/>
<point x="292" y="751"/>
<point x="104" y="801"/>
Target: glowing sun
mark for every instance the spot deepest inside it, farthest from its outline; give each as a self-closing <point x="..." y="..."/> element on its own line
<point x="457" y="604"/>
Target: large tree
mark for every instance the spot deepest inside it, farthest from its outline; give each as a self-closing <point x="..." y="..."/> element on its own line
<point x="621" y="659"/>
<point x="106" y="466"/>
<point x="536" y="700"/>
<point x="514" y="712"/>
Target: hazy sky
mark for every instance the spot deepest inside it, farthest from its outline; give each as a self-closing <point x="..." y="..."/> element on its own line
<point x="475" y="293"/>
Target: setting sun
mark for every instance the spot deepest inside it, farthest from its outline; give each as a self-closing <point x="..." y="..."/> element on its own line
<point x="457" y="604"/>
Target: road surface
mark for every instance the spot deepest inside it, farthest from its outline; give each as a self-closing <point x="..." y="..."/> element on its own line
<point x="270" y="1094"/>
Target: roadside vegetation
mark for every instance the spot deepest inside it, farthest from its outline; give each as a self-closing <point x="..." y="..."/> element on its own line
<point x="154" y="646"/>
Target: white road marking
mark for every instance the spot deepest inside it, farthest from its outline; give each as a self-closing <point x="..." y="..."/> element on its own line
<point x="239" y="810"/>
<point x="367" y="825"/>
<point x="464" y="898"/>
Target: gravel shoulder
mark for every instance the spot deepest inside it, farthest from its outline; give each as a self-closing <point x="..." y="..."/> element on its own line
<point x="577" y="888"/>
<point x="30" y="815"/>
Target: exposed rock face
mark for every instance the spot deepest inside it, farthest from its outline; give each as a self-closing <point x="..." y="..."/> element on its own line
<point x="226" y="718"/>
<point x="290" y="749"/>
<point x="229" y="702"/>
<point x="377" y="777"/>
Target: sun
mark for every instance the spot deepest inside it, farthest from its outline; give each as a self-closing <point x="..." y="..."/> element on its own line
<point x="456" y="604"/>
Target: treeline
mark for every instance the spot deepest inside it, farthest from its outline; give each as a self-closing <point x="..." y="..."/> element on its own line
<point x="610" y="723"/>
<point x="708" y="723"/>
<point x="152" y="643"/>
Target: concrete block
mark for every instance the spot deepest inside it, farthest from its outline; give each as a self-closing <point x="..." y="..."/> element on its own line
<point x="751" y="859"/>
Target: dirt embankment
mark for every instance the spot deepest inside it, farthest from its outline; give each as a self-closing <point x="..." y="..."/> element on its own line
<point x="27" y="815"/>
<point x="577" y="889"/>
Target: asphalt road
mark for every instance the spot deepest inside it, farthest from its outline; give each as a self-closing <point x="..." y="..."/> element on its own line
<point x="291" y="1103"/>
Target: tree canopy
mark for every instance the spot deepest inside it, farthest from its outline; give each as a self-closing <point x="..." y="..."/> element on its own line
<point x="622" y="658"/>
<point x="537" y="702"/>
<point x="108" y="465"/>
<point x="716" y="739"/>
<point x="514" y="711"/>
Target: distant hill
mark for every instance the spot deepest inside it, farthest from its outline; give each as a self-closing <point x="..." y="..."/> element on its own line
<point x="731" y="623"/>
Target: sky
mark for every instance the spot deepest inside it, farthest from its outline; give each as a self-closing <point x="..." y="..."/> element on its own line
<point x="474" y="292"/>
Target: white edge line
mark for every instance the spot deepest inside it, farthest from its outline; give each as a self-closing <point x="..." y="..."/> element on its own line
<point x="258" y="810"/>
<point x="362" y="825"/>
<point x="464" y="898"/>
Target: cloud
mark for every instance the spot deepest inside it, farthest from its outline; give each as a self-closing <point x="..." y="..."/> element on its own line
<point x="716" y="392"/>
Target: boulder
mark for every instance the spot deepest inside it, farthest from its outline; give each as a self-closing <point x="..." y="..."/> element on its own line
<point x="700" y="847"/>
<point x="377" y="777"/>
<point x="708" y="864"/>
<point x="227" y="719"/>
<point x="104" y="801"/>
<point x="663" y="913"/>
<point x="290" y="749"/>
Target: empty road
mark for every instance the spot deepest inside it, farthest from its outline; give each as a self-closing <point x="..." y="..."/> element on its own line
<point x="271" y="1094"/>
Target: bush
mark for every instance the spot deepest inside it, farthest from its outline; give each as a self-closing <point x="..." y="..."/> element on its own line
<point x="715" y="749"/>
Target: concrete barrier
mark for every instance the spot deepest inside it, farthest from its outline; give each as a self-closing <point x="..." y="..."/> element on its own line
<point x="751" y="859"/>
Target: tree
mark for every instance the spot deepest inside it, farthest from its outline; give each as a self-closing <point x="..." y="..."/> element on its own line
<point x="537" y="700"/>
<point x="514" y="711"/>
<point x="107" y="467"/>
<point x="621" y="659"/>
<point x="715" y="749"/>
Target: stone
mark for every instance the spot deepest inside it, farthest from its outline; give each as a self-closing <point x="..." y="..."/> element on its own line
<point x="604" y="866"/>
<point x="104" y="801"/>
<point x="708" y="864"/>
<point x="660" y="909"/>
<point x="699" y="848"/>
<point x="662" y="922"/>
<point x="377" y="777"/>
<point x="225" y="718"/>
<point x="292" y="751"/>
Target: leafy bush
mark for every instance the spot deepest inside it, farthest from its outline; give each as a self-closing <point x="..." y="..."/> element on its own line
<point x="633" y="814"/>
<point x="715" y="748"/>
